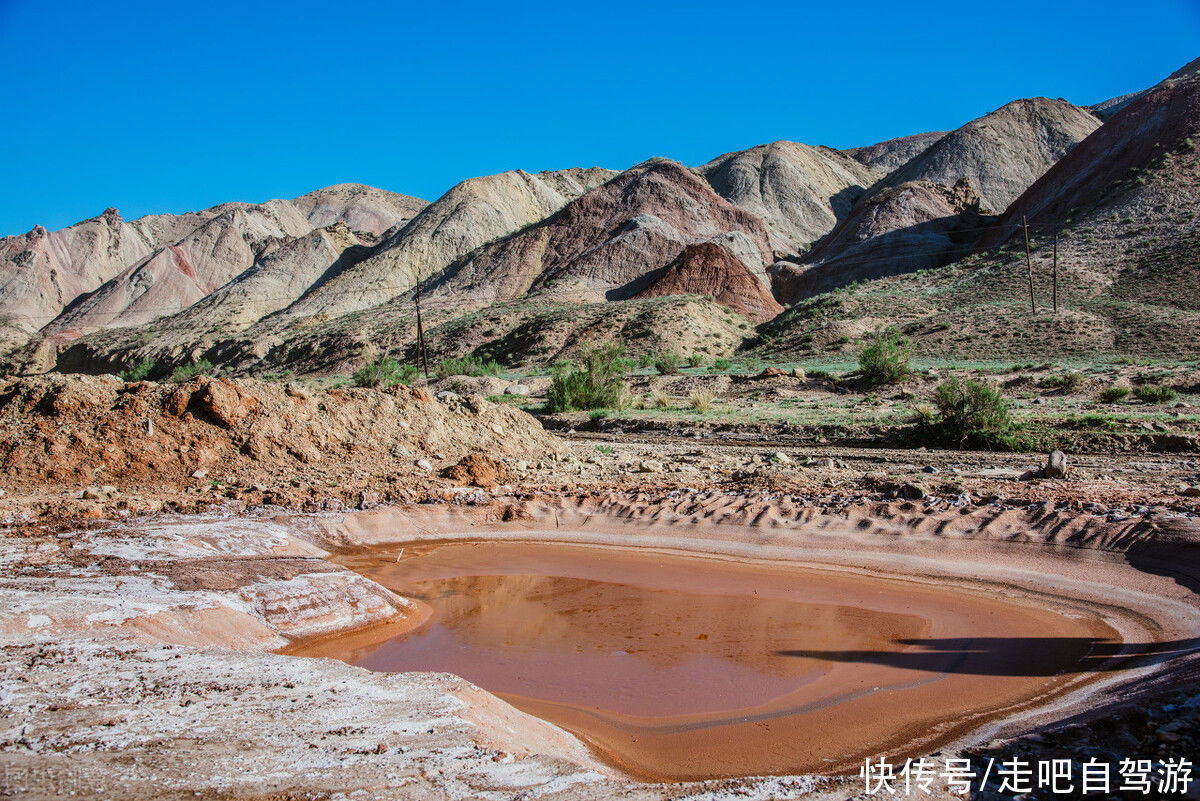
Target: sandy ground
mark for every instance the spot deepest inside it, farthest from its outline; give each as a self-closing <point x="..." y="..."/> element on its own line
<point x="138" y="656"/>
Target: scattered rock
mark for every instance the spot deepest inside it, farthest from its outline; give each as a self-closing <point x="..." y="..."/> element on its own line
<point x="1189" y="491"/>
<point x="779" y="457"/>
<point x="772" y="372"/>
<point x="201" y="473"/>
<point x="650" y="466"/>
<point x="424" y="464"/>
<point x="177" y="402"/>
<point x="446" y="396"/>
<point x="798" y="373"/>
<point x="294" y="390"/>
<point x="517" y="389"/>
<point x="479" y="470"/>
<point x="913" y="491"/>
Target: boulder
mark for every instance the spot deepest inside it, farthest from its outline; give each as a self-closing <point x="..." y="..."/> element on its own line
<point x="1056" y="465"/>
<point x="222" y="403"/>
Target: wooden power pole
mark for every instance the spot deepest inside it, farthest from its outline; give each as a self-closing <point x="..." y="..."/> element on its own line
<point x="1055" y="295"/>
<point x="1029" y="266"/>
<point x="422" y="358"/>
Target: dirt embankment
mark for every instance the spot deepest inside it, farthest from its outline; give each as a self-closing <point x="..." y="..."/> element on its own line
<point x="95" y="445"/>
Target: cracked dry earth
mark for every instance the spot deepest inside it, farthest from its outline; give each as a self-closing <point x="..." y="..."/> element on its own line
<point x="141" y="658"/>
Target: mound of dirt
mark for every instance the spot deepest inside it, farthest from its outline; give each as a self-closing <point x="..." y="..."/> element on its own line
<point x="99" y="436"/>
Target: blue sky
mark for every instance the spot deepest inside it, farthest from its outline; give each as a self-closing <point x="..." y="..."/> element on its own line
<point x="167" y="107"/>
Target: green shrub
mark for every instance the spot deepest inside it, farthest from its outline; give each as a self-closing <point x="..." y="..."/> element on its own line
<point x="972" y="412"/>
<point x="721" y="365"/>
<point x="139" y="372"/>
<point x="467" y="365"/>
<point x="599" y="383"/>
<point x="1149" y="393"/>
<point x="667" y="363"/>
<point x="885" y="358"/>
<point x="646" y="360"/>
<point x="386" y="372"/>
<point x="185" y="372"/>
<point x="695" y="360"/>
<point x="1114" y="394"/>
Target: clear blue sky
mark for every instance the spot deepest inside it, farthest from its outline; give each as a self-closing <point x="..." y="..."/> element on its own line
<point x="167" y="107"/>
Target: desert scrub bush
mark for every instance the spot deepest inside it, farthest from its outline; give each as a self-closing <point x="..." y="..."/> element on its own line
<point x="721" y="366"/>
<point x="598" y="382"/>
<point x="970" y="412"/>
<point x="467" y="365"/>
<point x="1114" y="394"/>
<point x="140" y="371"/>
<point x="667" y="363"/>
<point x="385" y="372"/>
<point x="646" y="360"/>
<point x="186" y="372"/>
<point x="695" y="360"/>
<point x="659" y="400"/>
<point x="1068" y="382"/>
<point x="701" y="400"/>
<point x="1150" y="393"/>
<point x="885" y="358"/>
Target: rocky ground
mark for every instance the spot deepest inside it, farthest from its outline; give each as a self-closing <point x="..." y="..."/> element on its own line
<point x="138" y="634"/>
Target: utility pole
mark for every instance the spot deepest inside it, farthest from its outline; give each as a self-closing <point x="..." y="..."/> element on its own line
<point x="422" y="359"/>
<point x="1055" y="296"/>
<point x="1029" y="265"/>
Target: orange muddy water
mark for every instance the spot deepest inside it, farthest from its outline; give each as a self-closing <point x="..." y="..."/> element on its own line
<point x="677" y="667"/>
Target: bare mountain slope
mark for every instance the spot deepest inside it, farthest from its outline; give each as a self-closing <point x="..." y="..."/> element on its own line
<point x="1119" y="165"/>
<point x="609" y="243"/>
<point x="42" y="271"/>
<point x="181" y="274"/>
<point x="107" y="272"/>
<point x="909" y="227"/>
<point x="275" y="280"/>
<point x="1002" y="153"/>
<point x="893" y="153"/>
<point x="471" y="214"/>
<point x="360" y="207"/>
<point x="800" y="191"/>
